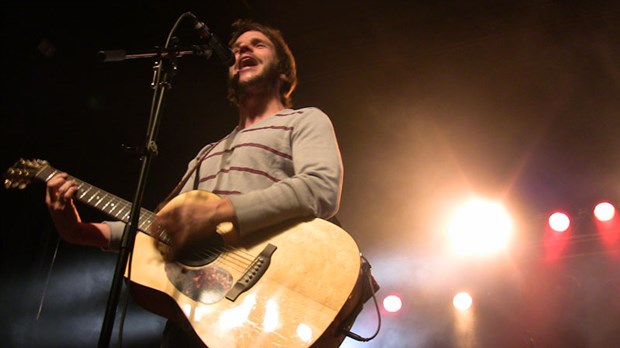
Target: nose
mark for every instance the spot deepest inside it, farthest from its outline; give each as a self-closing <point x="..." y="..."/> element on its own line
<point x="244" y="48"/>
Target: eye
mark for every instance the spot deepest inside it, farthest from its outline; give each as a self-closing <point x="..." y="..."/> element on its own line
<point x="260" y="44"/>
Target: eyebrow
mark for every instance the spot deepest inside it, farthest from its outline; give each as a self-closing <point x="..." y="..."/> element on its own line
<point x="254" y="41"/>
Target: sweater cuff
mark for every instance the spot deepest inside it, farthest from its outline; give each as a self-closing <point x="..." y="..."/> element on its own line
<point x="116" y="234"/>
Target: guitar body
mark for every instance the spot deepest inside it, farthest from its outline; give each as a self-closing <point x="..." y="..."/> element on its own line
<point x="312" y="275"/>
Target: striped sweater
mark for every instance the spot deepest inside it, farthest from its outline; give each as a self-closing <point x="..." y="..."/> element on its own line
<point x="285" y="166"/>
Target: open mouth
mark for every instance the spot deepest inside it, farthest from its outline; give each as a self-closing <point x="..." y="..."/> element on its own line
<point x="247" y="62"/>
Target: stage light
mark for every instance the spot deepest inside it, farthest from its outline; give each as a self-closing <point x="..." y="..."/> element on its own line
<point x="559" y="222"/>
<point x="608" y="226"/>
<point x="480" y="227"/>
<point x="604" y="211"/>
<point x="462" y="301"/>
<point x="392" y="303"/>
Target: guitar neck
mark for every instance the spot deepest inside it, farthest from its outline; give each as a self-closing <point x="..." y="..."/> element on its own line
<point x="99" y="199"/>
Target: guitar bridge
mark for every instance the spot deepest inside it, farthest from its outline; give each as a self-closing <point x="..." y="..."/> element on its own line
<point x="253" y="273"/>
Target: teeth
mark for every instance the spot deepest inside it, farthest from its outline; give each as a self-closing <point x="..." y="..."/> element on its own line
<point x="247" y="61"/>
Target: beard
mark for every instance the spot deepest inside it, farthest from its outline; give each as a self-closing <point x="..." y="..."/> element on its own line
<point x="262" y="83"/>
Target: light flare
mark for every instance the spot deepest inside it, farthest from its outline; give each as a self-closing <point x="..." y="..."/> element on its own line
<point x="480" y="227"/>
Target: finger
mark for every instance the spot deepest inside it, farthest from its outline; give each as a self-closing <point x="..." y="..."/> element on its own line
<point x="57" y="181"/>
<point x="158" y="230"/>
<point x="180" y="244"/>
<point x="169" y="252"/>
<point x="71" y="192"/>
<point x="52" y="187"/>
<point x="67" y="190"/>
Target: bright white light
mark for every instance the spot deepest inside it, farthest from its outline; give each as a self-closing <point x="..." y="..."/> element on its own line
<point x="559" y="222"/>
<point x="604" y="211"/>
<point x="480" y="227"/>
<point x="392" y="303"/>
<point x="187" y="309"/>
<point x="271" y="320"/>
<point x="462" y="301"/>
<point x="201" y="311"/>
<point x="237" y="316"/>
<point x="304" y="332"/>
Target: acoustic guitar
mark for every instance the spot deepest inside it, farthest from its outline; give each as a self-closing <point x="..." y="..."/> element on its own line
<point x="292" y="285"/>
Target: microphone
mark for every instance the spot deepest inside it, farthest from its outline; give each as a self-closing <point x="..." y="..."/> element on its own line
<point x="223" y="52"/>
<point x="120" y="55"/>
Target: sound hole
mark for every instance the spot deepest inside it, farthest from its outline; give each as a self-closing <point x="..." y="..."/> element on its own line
<point x="201" y="254"/>
<point x="207" y="285"/>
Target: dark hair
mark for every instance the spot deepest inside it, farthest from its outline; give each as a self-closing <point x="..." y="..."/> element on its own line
<point x="286" y="61"/>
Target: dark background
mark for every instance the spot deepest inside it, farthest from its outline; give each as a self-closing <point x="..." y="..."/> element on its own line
<point x="432" y="102"/>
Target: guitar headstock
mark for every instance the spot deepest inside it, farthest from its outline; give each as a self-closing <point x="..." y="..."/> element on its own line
<point x="22" y="173"/>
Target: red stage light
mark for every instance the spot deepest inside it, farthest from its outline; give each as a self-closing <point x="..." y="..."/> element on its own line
<point x="559" y="222"/>
<point x="556" y="235"/>
<point x="608" y="225"/>
<point x="604" y="211"/>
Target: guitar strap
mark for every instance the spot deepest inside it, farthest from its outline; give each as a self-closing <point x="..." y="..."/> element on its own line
<point x="196" y="169"/>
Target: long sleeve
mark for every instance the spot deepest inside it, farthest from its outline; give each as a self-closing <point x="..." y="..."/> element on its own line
<point x="315" y="186"/>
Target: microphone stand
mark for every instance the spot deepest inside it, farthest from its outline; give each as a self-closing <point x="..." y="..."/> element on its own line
<point x="161" y="81"/>
<point x="163" y="70"/>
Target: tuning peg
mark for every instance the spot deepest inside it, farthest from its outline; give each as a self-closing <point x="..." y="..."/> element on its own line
<point x="15" y="184"/>
<point x="7" y="183"/>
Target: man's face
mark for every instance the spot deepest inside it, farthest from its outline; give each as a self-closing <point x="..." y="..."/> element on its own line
<point x="255" y="61"/>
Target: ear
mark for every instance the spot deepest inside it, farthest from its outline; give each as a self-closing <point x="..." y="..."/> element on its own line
<point x="285" y="78"/>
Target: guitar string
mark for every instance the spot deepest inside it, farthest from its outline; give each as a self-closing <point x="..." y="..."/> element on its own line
<point x="238" y="261"/>
<point x="237" y="258"/>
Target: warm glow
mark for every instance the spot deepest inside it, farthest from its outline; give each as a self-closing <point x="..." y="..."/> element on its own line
<point x="271" y="320"/>
<point x="304" y="332"/>
<point x="480" y="227"/>
<point x="187" y="309"/>
<point x="237" y="316"/>
<point x="392" y="303"/>
<point x="559" y="222"/>
<point x="462" y="301"/>
<point x="604" y="211"/>
<point x="201" y="312"/>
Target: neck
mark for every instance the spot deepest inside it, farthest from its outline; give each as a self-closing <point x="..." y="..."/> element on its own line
<point x="255" y="107"/>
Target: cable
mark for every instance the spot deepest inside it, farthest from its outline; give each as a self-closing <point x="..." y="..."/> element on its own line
<point x="368" y="275"/>
<point x="47" y="279"/>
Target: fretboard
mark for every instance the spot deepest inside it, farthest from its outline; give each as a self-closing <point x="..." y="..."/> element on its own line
<point x="106" y="202"/>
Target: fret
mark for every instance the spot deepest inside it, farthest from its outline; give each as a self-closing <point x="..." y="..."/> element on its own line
<point x="141" y="224"/>
<point x="85" y="192"/>
<point x="79" y="187"/>
<point x="81" y="192"/>
<point x="106" y="202"/>
<point x="93" y="196"/>
<point x="120" y="212"/>
<point x="114" y="206"/>
<point x="50" y="175"/>
<point x="106" y="205"/>
<point x="101" y="199"/>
